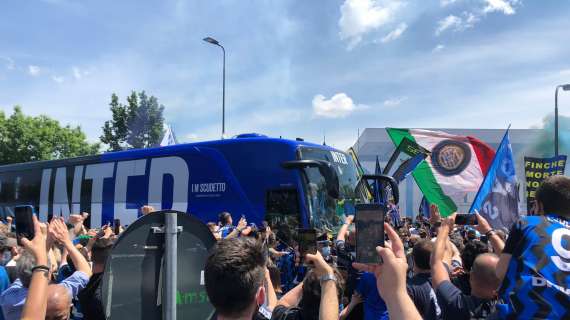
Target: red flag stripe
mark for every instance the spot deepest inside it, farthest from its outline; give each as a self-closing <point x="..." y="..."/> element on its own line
<point x="484" y="152"/>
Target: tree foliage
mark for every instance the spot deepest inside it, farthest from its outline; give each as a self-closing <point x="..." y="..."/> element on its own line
<point x="26" y="138"/>
<point x="135" y="125"/>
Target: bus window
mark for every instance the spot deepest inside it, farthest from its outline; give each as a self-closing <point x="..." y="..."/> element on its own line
<point x="327" y="214"/>
<point x="282" y="212"/>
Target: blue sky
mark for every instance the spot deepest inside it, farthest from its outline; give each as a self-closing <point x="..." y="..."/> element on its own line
<point x="294" y="68"/>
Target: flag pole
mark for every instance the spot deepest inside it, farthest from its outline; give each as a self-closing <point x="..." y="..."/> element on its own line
<point x="487" y="175"/>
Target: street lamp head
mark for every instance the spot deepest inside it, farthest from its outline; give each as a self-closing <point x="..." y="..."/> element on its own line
<point x="565" y="87"/>
<point x="211" y="40"/>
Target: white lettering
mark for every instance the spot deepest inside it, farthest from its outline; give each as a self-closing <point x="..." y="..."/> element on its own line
<point x="44" y="194"/>
<point x="557" y="236"/>
<point x="76" y="193"/>
<point x="60" y="199"/>
<point x="542" y="282"/>
<point x="209" y="187"/>
<point x="339" y="157"/>
<point x="126" y="169"/>
<point x="178" y="169"/>
<point x="98" y="173"/>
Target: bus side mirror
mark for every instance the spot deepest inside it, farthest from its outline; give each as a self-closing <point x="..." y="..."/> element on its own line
<point x="384" y="178"/>
<point x="325" y="169"/>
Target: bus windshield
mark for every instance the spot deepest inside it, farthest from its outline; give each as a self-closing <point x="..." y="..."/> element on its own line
<point x="326" y="213"/>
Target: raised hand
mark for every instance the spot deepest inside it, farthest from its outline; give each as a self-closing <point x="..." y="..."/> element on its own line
<point x="37" y="246"/>
<point x="391" y="274"/>
<point x="75" y="219"/>
<point x="483" y="225"/>
<point x="58" y="230"/>
<point x="321" y="267"/>
<point x="434" y="215"/>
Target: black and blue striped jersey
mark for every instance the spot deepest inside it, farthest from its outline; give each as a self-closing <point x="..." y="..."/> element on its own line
<point x="536" y="285"/>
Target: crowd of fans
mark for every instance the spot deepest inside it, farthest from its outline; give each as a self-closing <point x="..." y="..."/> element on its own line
<point x="430" y="268"/>
<point x="57" y="274"/>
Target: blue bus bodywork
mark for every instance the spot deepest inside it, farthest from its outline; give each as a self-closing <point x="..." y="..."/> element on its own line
<point x="243" y="175"/>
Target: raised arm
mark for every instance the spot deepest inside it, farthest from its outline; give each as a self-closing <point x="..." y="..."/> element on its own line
<point x="242" y="224"/>
<point x="292" y="298"/>
<point x="344" y="229"/>
<point x="58" y="230"/>
<point x="328" y="309"/>
<point x="354" y="301"/>
<point x="438" y="271"/>
<point x="391" y="278"/>
<point x="76" y="220"/>
<point x="485" y="228"/>
<point x="271" y="296"/>
<point x="36" y="300"/>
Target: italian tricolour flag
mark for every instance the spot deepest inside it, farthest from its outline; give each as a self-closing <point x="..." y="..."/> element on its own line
<point x="456" y="164"/>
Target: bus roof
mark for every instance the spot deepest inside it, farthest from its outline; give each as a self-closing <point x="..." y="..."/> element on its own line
<point x="157" y="151"/>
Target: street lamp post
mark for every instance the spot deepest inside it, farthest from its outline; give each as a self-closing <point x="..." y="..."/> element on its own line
<point x="216" y="43"/>
<point x="565" y="87"/>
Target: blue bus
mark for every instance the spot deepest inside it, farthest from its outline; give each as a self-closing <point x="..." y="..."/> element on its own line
<point x="289" y="183"/>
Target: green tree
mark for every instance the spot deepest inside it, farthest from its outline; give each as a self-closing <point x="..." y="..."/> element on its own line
<point x="26" y="138"/>
<point x="135" y="125"/>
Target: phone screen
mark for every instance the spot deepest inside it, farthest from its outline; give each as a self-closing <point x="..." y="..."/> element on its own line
<point x="307" y="242"/>
<point x="466" y="219"/>
<point x="24" y="222"/>
<point x="369" y="220"/>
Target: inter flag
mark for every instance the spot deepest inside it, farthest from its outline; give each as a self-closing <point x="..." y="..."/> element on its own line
<point x="497" y="199"/>
<point x="168" y="139"/>
<point x="456" y="164"/>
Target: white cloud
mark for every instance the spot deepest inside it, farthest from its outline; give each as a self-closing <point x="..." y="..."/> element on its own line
<point x="58" y="79"/>
<point x="438" y="48"/>
<point x="445" y="3"/>
<point x="470" y="19"/>
<point x="504" y="6"/>
<point x="34" y="71"/>
<point x="392" y="102"/>
<point x="565" y="72"/>
<point x="359" y="17"/>
<point x="396" y="33"/>
<point x="449" y="22"/>
<point x="456" y="23"/>
<point x="339" y="106"/>
<point x="78" y="73"/>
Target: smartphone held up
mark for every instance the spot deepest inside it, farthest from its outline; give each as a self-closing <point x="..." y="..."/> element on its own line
<point x="24" y="223"/>
<point x="466" y="219"/>
<point x="369" y="220"/>
<point x="307" y="239"/>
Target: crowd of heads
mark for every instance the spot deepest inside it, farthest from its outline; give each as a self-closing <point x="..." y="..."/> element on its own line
<point x="56" y="274"/>
<point x="430" y="268"/>
<point x="438" y="270"/>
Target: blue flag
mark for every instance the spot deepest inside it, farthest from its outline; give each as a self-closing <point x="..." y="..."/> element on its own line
<point x="378" y="168"/>
<point x="497" y="199"/>
<point x="424" y="208"/>
<point x="408" y="167"/>
<point x="377" y="186"/>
